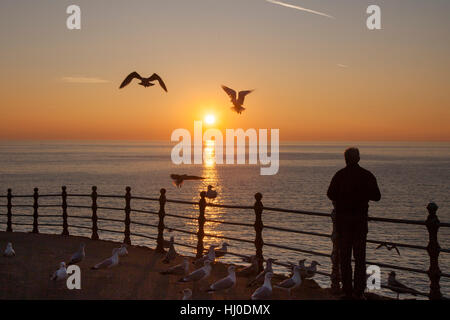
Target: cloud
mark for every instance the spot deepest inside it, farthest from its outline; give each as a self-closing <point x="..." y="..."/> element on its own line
<point x="87" y="80"/>
<point x="287" y="5"/>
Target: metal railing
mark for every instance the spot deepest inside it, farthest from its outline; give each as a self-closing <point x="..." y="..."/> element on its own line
<point x="432" y="225"/>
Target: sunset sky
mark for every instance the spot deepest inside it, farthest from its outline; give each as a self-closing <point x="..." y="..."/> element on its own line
<point x="315" y="77"/>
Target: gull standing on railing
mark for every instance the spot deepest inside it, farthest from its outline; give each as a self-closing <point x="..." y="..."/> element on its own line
<point x="264" y="292"/>
<point x="225" y="283"/>
<point x="9" y="251"/>
<point x="61" y="273"/>
<point x="78" y="256"/>
<point x="210" y="193"/>
<point x="179" y="269"/>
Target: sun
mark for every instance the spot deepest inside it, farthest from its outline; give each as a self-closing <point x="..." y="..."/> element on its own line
<point x="210" y="119"/>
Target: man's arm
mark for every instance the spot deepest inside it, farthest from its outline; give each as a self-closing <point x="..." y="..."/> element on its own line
<point x="333" y="189"/>
<point x="374" y="191"/>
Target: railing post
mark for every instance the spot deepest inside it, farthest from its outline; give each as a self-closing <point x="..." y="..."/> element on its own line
<point x="94" y="235"/>
<point x="65" y="231"/>
<point x="201" y="224"/>
<point x="258" y="207"/>
<point x="127" y="216"/>
<point x="335" y="268"/>
<point x="35" y="210"/>
<point x="9" y="213"/>
<point x="161" y="226"/>
<point x="433" y="248"/>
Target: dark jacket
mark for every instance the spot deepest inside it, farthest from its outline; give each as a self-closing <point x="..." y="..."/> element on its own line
<point x="351" y="189"/>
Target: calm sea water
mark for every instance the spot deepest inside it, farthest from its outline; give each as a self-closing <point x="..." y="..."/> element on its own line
<point x="410" y="175"/>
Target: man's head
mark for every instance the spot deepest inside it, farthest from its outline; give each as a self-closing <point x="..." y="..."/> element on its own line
<point x="351" y="156"/>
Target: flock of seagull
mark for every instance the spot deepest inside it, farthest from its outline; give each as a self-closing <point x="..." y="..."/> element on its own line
<point x="204" y="267"/>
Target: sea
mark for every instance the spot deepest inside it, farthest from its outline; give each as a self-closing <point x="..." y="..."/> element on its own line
<point x="410" y="175"/>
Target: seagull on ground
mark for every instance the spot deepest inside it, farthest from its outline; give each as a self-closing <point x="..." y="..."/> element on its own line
<point x="179" y="269"/>
<point x="225" y="283"/>
<point x="122" y="250"/>
<point x="210" y="193"/>
<point x="78" y="256"/>
<point x="110" y="262"/>
<point x="265" y="291"/>
<point x="291" y="283"/>
<point x="220" y="252"/>
<point x="310" y="271"/>
<point x="187" y="294"/>
<point x="261" y="276"/>
<point x="9" y="251"/>
<point x="61" y="273"/>
<point x="178" y="179"/>
<point x="171" y="254"/>
<point x="237" y="103"/>
<point x="145" y="82"/>
<point x="210" y="256"/>
<point x="198" y="274"/>
<point x="399" y="287"/>
<point x="251" y="270"/>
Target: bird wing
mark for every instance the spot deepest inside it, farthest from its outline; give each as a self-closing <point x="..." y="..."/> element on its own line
<point x="175" y="176"/>
<point x="261" y="293"/>
<point x="398" y="251"/>
<point x="242" y="95"/>
<point x="130" y="77"/>
<point x="104" y="264"/>
<point x="158" y="78"/>
<point x="222" y="284"/>
<point x="196" y="275"/>
<point x="231" y="93"/>
<point x="382" y="244"/>
<point x="76" y="257"/>
<point x="288" y="283"/>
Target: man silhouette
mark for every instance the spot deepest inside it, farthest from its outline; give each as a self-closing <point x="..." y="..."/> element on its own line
<point x="351" y="189"/>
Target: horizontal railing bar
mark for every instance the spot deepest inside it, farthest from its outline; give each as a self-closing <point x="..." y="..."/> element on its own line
<point x="144" y="198"/>
<point x="49" y="216"/>
<point x="76" y="195"/>
<point x="182" y="202"/>
<point x="143" y="211"/>
<point x="227" y="238"/>
<point x="180" y="230"/>
<point x="49" y="206"/>
<point x="230" y="223"/>
<point x="208" y="204"/>
<point x="108" y="230"/>
<point x="182" y="217"/>
<point x="81" y="227"/>
<point x="110" y="196"/>
<point x="22" y="206"/>
<point x="141" y="235"/>
<point x="144" y="224"/>
<point x="78" y="206"/>
<point x="109" y="219"/>
<point x="298" y="231"/>
<point x="110" y="208"/>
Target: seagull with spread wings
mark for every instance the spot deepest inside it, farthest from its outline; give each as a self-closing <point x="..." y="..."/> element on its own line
<point x="145" y="82"/>
<point x="178" y="179"/>
<point x="237" y="103"/>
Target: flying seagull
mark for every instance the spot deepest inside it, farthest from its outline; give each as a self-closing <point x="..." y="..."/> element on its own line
<point x="237" y="103"/>
<point x="77" y="256"/>
<point x="388" y="246"/>
<point x="398" y="287"/>
<point x="178" y="179"/>
<point x="110" y="262"/>
<point x="264" y="292"/>
<point x="61" y="273"/>
<point x="180" y="269"/>
<point x="9" y="251"/>
<point x="225" y="283"/>
<point x="146" y="82"/>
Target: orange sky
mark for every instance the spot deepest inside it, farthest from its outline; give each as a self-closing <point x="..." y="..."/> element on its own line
<point x="394" y="85"/>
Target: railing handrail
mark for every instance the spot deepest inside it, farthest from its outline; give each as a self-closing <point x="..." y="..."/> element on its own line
<point x="432" y="224"/>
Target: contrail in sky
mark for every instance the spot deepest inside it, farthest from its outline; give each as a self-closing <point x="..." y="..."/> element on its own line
<point x="287" y="5"/>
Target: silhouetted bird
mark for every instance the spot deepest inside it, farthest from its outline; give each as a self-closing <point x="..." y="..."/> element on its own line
<point x="398" y="287"/>
<point x="261" y="276"/>
<point x="171" y="254"/>
<point x="237" y="103"/>
<point x="77" y="256"/>
<point x="211" y="194"/>
<point x="389" y="247"/>
<point x="146" y="82"/>
<point x="179" y="179"/>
